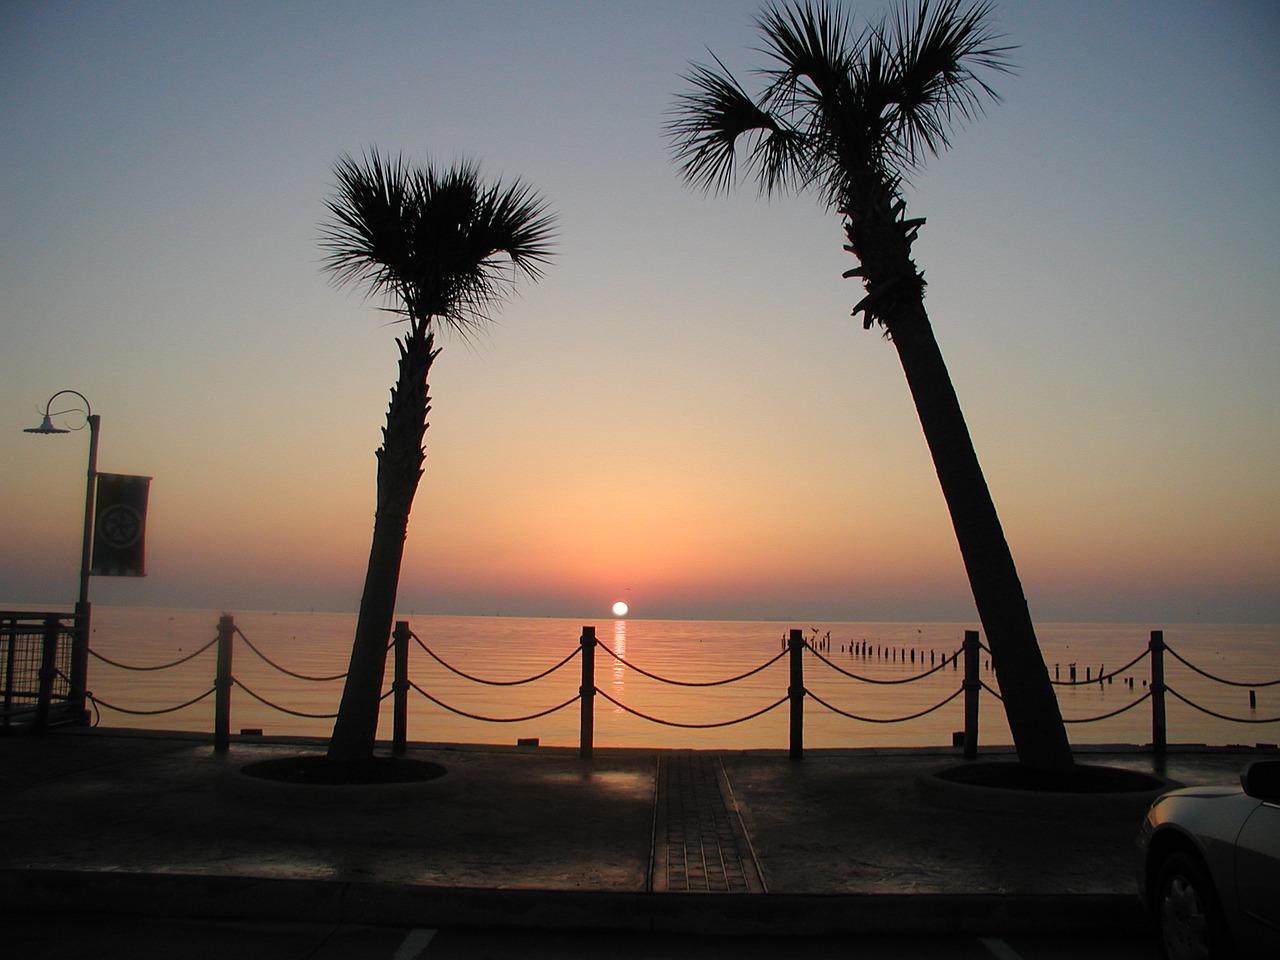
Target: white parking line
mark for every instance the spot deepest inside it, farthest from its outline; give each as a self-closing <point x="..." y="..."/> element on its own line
<point x="1000" y="949"/>
<point x="412" y="946"/>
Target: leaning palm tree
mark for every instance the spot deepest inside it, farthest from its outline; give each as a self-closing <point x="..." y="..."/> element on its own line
<point x="852" y="117"/>
<point x="443" y="248"/>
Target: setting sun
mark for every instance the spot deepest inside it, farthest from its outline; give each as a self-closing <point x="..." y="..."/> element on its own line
<point x="619" y="609"/>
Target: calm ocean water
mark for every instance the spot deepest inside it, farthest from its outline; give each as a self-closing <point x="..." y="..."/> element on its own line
<point x="504" y="649"/>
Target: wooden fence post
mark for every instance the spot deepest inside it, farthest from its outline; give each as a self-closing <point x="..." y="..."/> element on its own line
<point x="972" y="690"/>
<point x="795" y="643"/>
<point x="1159" y="733"/>
<point x="400" y="690"/>
<point x="222" y="686"/>
<point x="586" y="734"/>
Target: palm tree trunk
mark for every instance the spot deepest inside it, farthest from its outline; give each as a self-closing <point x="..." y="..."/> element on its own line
<point x="1029" y="701"/>
<point x="400" y="462"/>
<point x="895" y="296"/>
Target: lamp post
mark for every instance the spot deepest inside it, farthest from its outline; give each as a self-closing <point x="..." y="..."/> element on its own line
<point x="80" y="648"/>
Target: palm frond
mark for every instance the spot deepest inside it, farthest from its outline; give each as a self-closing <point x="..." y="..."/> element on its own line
<point x="837" y="111"/>
<point x="363" y="239"/>
<point x="518" y="224"/>
<point x="825" y="82"/>
<point x="708" y="125"/>
<point x="811" y="53"/>
<point x="501" y="232"/>
<point x="938" y="55"/>
<point x="436" y="243"/>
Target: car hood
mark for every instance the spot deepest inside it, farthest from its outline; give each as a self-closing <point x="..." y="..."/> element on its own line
<point x="1205" y="793"/>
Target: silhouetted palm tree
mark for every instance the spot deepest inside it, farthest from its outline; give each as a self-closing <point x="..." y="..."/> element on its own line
<point x="444" y="249"/>
<point x="852" y="117"/>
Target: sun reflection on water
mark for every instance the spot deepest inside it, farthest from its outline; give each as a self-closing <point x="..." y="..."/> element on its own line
<point x="620" y="650"/>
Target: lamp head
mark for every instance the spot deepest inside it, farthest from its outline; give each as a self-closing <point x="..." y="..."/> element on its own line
<point x="45" y="427"/>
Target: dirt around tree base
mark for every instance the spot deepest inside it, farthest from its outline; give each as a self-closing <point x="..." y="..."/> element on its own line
<point x="318" y="770"/>
<point x="1082" y="778"/>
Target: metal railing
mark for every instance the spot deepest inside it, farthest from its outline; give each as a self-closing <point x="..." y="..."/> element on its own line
<point x="795" y="648"/>
<point x="37" y="651"/>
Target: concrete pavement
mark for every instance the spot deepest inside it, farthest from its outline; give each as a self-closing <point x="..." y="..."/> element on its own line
<point x="135" y="822"/>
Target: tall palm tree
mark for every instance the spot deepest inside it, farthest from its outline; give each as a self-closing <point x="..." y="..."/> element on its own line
<point x="852" y="117"/>
<point x="443" y="248"/>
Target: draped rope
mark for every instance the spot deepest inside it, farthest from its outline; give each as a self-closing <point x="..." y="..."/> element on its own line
<point x="691" y="726"/>
<point x="493" y="683"/>
<point x="162" y="666"/>
<point x="1113" y="713"/>
<point x="275" y="706"/>
<point x="97" y="701"/>
<point x="288" y="673"/>
<point x="914" y="716"/>
<point x="694" y="683"/>
<point x="476" y="716"/>
<point x="1210" y="676"/>
<point x="1220" y="716"/>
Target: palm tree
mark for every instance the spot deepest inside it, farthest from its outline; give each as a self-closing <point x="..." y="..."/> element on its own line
<point x="852" y="118"/>
<point x="444" y="249"/>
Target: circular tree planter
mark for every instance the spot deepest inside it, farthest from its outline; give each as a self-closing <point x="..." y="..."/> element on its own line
<point x="1008" y="787"/>
<point x="316" y="779"/>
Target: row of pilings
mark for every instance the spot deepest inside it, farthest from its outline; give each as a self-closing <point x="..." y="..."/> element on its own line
<point x="891" y="653"/>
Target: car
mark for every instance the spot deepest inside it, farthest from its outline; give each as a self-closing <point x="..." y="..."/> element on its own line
<point x="1209" y="867"/>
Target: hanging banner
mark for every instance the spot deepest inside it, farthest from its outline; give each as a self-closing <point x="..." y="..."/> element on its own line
<point x="119" y="526"/>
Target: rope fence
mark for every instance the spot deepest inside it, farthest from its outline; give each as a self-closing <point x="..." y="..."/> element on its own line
<point x="1156" y="690"/>
<point x="796" y="648"/>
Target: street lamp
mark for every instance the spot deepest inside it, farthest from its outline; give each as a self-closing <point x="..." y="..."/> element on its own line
<point x="80" y="657"/>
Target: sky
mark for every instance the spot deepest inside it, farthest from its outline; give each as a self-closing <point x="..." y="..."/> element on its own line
<point x="682" y="413"/>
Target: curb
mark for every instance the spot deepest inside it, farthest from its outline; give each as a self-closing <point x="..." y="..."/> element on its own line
<point x="189" y="896"/>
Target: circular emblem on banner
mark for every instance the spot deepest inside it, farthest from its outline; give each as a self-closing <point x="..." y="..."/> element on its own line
<point x="120" y="526"/>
